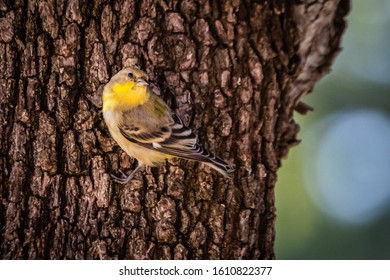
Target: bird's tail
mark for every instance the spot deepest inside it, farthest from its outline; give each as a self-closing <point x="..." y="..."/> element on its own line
<point x="204" y="156"/>
<point x="220" y="165"/>
<point x="200" y="154"/>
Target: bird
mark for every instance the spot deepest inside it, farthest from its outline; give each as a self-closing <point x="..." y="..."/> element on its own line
<point x="146" y="128"/>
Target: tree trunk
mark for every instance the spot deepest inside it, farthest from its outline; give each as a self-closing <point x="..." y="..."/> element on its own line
<point x="233" y="70"/>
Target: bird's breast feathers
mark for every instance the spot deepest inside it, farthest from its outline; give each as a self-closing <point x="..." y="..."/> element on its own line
<point x="124" y="96"/>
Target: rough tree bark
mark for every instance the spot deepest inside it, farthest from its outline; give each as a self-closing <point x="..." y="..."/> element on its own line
<point x="234" y="70"/>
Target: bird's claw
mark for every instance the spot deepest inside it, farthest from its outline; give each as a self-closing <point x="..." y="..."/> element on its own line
<point x="123" y="179"/>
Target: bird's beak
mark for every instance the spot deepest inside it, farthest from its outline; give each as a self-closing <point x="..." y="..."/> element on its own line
<point x="141" y="82"/>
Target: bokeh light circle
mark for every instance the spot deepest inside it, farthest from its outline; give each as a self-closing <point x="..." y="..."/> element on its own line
<point x="347" y="171"/>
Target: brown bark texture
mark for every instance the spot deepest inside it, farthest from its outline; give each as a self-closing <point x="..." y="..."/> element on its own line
<point x="233" y="70"/>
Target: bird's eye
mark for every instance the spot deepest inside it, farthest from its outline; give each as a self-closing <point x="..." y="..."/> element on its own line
<point x="130" y="75"/>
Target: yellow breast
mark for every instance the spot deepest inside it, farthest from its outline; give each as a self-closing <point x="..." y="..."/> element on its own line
<point x="124" y="96"/>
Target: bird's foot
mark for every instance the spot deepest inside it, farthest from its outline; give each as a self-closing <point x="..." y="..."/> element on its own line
<point x="123" y="179"/>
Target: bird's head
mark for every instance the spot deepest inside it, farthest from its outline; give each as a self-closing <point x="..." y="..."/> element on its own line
<point x="131" y="74"/>
<point x="127" y="89"/>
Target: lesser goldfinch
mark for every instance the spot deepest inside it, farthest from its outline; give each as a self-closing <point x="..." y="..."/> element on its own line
<point x="146" y="128"/>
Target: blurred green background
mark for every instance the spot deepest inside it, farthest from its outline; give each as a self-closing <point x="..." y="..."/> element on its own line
<point x="333" y="191"/>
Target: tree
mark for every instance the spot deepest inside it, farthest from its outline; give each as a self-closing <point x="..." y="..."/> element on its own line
<point x="233" y="70"/>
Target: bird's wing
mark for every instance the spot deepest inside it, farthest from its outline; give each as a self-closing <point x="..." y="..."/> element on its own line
<point x="168" y="135"/>
<point x="148" y="123"/>
<point x="155" y="125"/>
<point x="157" y="128"/>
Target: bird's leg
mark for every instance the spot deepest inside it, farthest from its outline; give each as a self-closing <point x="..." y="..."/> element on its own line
<point x="124" y="178"/>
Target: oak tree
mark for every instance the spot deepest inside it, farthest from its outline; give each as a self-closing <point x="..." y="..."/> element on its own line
<point x="233" y="70"/>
